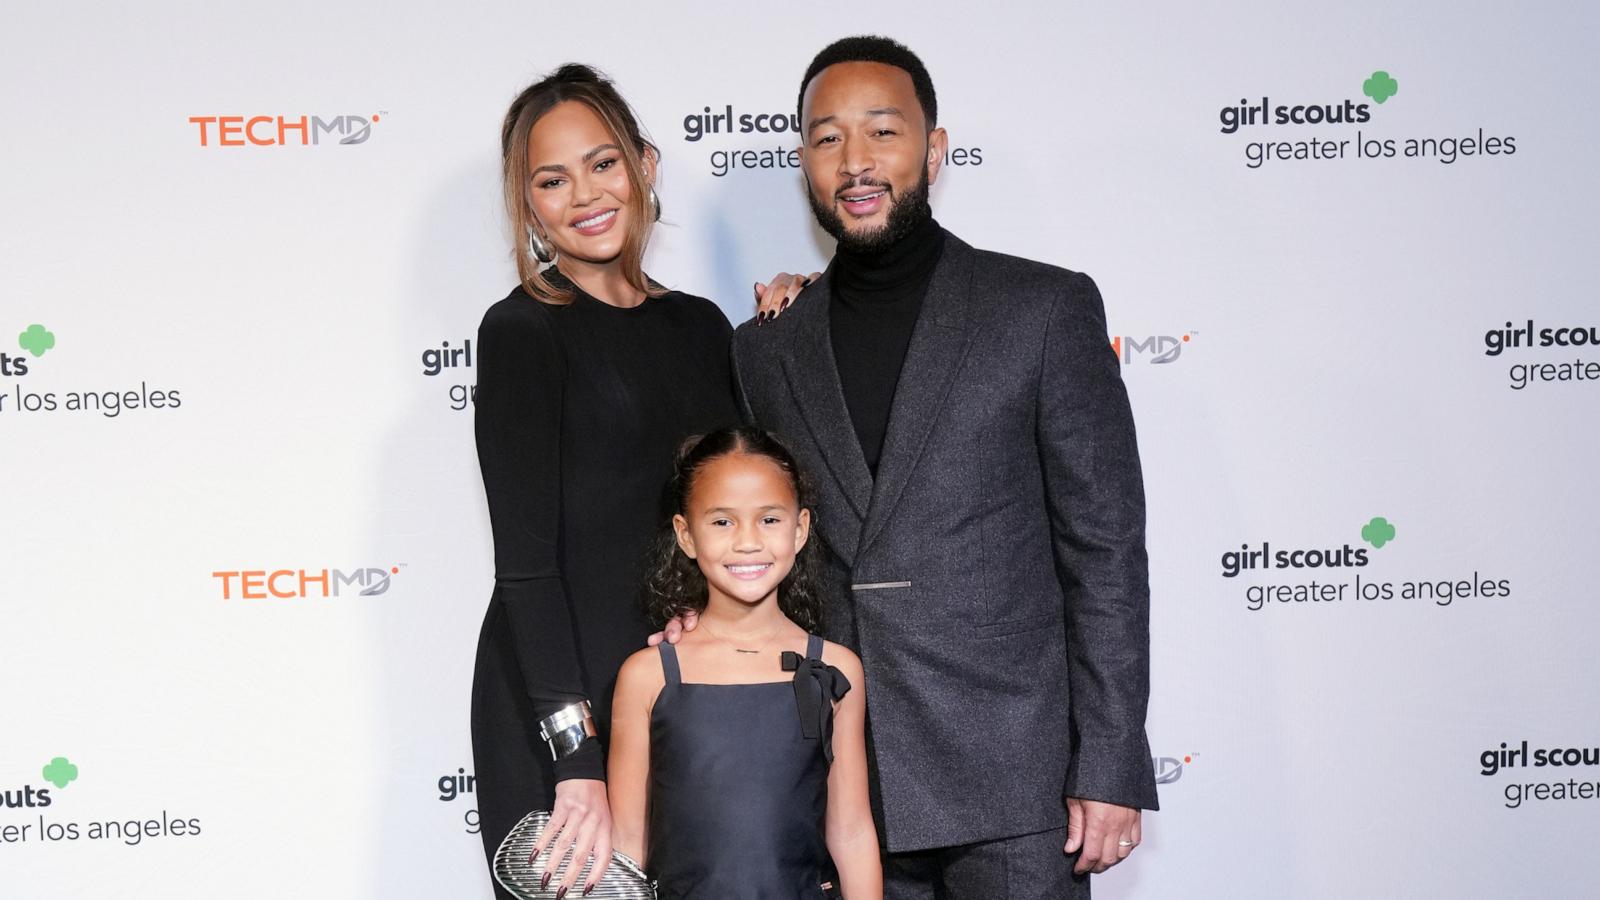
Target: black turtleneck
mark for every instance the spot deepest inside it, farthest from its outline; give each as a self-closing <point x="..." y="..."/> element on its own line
<point x="874" y="304"/>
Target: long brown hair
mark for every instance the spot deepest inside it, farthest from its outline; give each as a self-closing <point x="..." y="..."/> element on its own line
<point x="585" y="85"/>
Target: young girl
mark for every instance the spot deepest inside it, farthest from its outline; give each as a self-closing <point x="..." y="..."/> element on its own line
<point x="738" y="758"/>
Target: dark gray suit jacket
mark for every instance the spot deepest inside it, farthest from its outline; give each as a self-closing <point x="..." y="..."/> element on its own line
<point x="993" y="578"/>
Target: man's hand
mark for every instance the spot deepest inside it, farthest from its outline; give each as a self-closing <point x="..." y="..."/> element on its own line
<point x="675" y="627"/>
<point x="1105" y="832"/>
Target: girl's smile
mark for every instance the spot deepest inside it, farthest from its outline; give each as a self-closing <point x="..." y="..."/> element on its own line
<point x="749" y="571"/>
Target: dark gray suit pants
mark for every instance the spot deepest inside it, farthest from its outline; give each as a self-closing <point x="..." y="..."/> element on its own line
<point x="1029" y="867"/>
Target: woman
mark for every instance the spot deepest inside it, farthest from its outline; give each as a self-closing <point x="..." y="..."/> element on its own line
<point x="589" y="377"/>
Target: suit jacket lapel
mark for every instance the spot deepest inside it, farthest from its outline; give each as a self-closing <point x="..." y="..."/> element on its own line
<point x="813" y="378"/>
<point x="938" y="345"/>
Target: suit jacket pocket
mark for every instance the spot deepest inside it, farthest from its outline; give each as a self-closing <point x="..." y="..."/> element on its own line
<point x="1019" y="626"/>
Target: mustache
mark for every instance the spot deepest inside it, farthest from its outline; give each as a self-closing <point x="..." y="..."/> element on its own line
<point x="863" y="181"/>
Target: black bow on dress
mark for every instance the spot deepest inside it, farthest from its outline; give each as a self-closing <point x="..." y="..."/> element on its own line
<point x="816" y="686"/>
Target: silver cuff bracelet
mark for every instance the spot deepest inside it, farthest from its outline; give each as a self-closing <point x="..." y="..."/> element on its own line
<point x="566" y="728"/>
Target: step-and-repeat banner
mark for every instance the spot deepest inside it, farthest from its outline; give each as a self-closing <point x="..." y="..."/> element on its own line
<point x="1346" y="253"/>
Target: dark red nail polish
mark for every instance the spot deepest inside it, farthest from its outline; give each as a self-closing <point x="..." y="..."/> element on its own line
<point x="561" y="893"/>
<point x="588" y="890"/>
<point x="785" y="304"/>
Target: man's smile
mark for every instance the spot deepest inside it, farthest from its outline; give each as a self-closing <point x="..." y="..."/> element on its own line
<point x="863" y="201"/>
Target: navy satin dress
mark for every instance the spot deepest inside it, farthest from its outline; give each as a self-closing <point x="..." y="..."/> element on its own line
<point x="739" y="783"/>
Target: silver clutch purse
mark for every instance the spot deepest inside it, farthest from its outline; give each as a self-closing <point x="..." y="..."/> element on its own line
<point x="625" y="880"/>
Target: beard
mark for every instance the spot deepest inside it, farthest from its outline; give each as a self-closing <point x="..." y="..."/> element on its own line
<point x="905" y="214"/>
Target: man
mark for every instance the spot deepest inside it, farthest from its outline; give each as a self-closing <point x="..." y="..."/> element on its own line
<point x="979" y="492"/>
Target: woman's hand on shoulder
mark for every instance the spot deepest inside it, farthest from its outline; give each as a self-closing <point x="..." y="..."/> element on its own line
<point x="775" y="296"/>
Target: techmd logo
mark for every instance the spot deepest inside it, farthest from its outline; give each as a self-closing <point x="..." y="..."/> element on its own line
<point x="1155" y="349"/>
<point x="1169" y="769"/>
<point x="303" y="584"/>
<point x="283" y="131"/>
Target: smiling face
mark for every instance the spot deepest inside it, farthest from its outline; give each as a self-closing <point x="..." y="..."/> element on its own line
<point x="742" y="526"/>
<point x="578" y="184"/>
<point x="868" y="155"/>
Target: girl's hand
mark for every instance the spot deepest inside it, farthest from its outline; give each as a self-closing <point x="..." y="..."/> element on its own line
<point x="776" y="295"/>
<point x="580" y="825"/>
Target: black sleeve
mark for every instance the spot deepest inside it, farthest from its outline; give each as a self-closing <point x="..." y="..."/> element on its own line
<point x="739" y="396"/>
<point x="518" y="428"/>
<point x="1095" y="494"/>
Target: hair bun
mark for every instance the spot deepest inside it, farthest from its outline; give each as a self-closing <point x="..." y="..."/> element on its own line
<point x="579" y="73"/>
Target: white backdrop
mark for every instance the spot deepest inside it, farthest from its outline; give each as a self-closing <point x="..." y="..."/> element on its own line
<point x="258" y="315"/>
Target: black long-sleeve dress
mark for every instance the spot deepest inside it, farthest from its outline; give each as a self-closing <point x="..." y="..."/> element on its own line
<point x="580" y="410"/>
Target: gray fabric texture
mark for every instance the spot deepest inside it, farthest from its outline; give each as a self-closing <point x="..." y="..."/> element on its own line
<point x="1013" y="669"/>
<point x="1026" y="867"/>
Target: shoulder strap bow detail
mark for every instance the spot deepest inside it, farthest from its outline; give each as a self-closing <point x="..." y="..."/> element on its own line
<point x="816" y="686"/>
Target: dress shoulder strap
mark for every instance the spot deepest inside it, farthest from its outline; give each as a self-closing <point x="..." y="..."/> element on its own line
<point x="813" y="646"/>
<point x="669" y="663"/>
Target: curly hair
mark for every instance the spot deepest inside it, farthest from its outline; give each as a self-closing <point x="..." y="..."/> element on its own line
<point x="676" y="584"/>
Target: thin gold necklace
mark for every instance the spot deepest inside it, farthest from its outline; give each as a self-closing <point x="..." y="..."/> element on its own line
<point x="736" y="648"/>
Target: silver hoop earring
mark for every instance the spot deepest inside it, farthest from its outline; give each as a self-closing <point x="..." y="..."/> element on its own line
<point x="539" y="248"/>
<point x="655" y="203"/>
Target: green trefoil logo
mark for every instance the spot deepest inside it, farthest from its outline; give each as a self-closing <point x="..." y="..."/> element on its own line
<point x="36" y="340"/>
<point x="60" y="772"/>
<point x="1377" y="532"/>
<point x="1380" y="87"/>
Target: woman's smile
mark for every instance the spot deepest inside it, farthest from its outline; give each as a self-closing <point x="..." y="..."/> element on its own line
<point x="596" y="223"/>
